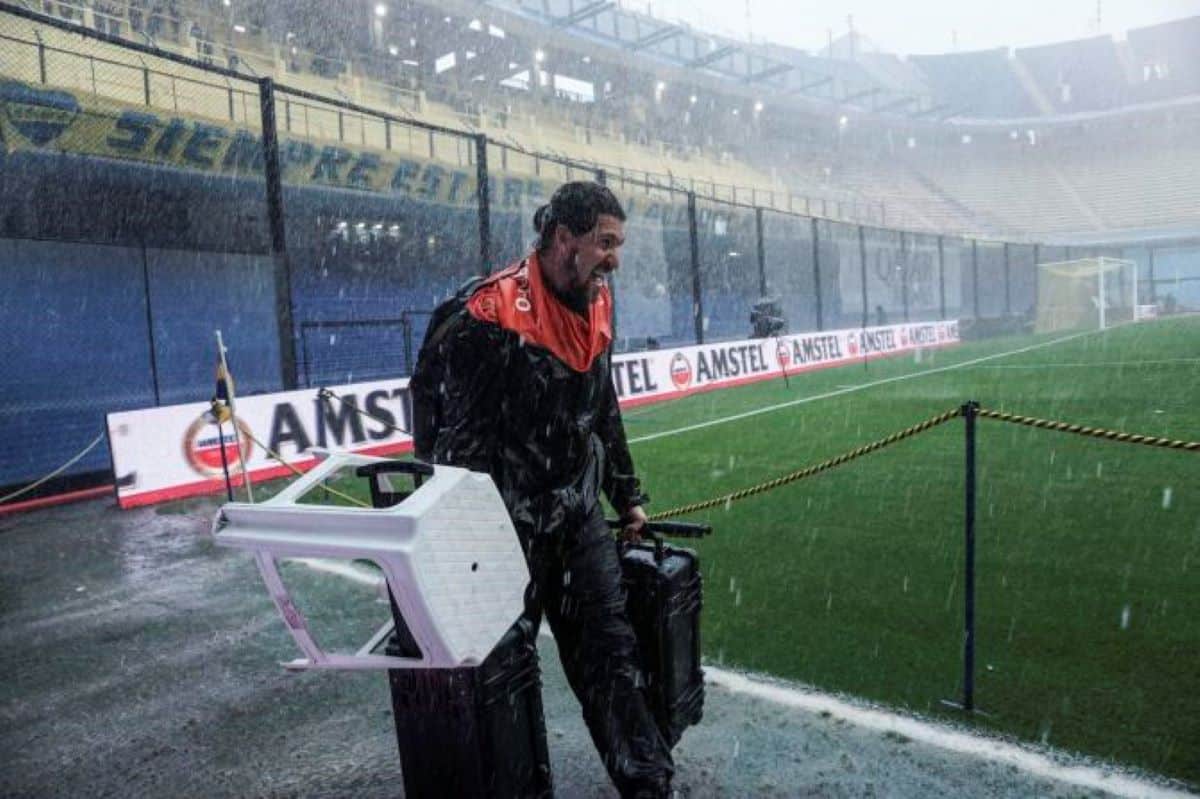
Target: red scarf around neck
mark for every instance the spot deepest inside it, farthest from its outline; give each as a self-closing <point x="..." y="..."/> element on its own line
<point x="518" y="299"/>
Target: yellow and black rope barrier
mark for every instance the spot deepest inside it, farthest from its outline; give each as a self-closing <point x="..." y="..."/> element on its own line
<point x="1092" y="432"/>
<point x="809" y="471"/>
<point x="327" y="394"/>
<point x="298" y="473"/>
<point x="866" y="449"/>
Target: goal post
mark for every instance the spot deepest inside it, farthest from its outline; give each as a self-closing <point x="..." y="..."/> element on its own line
<point x="1086" y="294"/>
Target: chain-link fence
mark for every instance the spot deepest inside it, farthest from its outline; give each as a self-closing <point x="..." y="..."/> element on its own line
<point x="134" y="224"/>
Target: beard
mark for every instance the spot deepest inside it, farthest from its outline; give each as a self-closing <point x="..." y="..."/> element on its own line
<point x="583" y="291"/>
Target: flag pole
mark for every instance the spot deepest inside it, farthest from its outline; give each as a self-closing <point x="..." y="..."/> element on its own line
<point x="216" y="412"/>
<point x="237" y="437"/>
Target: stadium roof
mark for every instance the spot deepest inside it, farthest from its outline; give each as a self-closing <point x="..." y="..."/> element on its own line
<point x="785" y="73"/>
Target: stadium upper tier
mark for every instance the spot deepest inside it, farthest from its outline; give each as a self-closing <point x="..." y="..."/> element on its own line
<point x="837" y="150"/>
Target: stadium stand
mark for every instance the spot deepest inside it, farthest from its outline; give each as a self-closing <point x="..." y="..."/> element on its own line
<point x="982" y="84"/>
<point x="1084" y="75"/>
<point x="684" y="134"/>
<point x="866" y="144"/>
<point x="1164" y="59"/>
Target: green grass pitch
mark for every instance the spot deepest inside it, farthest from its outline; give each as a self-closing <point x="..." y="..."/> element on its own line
<point x="1088" y="551"/>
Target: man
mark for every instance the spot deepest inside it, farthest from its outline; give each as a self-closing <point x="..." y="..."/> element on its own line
<point x="527" y="397"/>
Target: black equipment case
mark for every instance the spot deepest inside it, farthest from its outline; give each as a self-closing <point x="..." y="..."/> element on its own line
<point x="474" y="732"/>
<point x="468" y="732"/>
<point x="664" y="597"/>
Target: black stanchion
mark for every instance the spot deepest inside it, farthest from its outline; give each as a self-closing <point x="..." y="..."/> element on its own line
<point x="969" y="411"/>
<point x="224" y="459"/>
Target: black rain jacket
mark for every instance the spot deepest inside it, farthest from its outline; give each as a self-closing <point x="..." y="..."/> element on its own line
<point x="551" y="438"/>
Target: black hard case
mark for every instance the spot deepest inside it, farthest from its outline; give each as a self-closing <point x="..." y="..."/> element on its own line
<point x="468" y="732"/>
<point x="474" y="732"/>
<point x="664" y="596"/>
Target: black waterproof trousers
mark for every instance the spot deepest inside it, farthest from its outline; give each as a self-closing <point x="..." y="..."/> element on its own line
<point x="576" y="583"/>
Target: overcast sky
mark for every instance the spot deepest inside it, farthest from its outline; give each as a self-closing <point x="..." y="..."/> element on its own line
<point x="919" y="26"/>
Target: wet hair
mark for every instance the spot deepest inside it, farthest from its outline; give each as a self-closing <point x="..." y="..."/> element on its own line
<point x="578" y="205"/>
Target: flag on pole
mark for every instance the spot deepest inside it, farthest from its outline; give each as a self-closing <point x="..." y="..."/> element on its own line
<point x="219" y="407"/>
<point x="224" y="382"/>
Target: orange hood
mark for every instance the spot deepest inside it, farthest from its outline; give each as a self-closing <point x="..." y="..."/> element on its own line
<point x="519" y="300"/>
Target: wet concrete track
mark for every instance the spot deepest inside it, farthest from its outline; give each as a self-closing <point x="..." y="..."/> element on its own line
<point x="139" y="659"/>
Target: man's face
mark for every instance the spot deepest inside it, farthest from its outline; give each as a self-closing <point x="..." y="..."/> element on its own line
<point x="588" y="259"/>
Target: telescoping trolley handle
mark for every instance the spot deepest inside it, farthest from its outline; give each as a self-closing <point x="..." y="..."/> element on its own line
<point x="657" y="530"/>
<point x="381" y="498"/>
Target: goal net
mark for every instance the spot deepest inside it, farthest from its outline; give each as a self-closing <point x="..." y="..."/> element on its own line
<point x="1086" y="294"/>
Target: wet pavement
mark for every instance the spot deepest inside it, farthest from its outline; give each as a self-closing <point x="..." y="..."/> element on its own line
<point x="139" y="659"/>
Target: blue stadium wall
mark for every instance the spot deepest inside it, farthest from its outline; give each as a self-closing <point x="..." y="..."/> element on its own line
<point x="118" y="273"/>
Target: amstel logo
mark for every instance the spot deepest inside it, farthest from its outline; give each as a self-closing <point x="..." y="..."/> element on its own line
<point x="783" y="354"/>
<point x="681" y="371"/>
<point x="202" y="446"/>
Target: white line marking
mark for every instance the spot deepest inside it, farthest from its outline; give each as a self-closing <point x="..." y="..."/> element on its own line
<point x="1094" y="363"/>
<point x="1035" y="763"/>
<point x="877" y="719"/>
<point x="838" y="392"/>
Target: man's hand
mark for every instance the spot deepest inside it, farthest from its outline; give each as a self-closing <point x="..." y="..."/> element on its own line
<point x="634" y="520"/>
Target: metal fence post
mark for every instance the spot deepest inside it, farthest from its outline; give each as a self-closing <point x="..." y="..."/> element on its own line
<point x="150" y="323"/>
<point x="1007" y="281"/>
<point x="816" y="254"/>
<point x="482" y="192"/>
<point x="1153" y="290"/>
<point x="1037" y="259"/>
<point x="41" y="49"/>
<point x="941" y="278"/>
<point x="283" y="271"/>
<point x="762" y="252"/>
<point x="975" y="276"/>
<point x="862" y="268"/>
<point x="694" y="240"/>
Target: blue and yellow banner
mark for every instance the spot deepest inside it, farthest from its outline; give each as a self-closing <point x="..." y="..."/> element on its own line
<point x="49" y="119"/>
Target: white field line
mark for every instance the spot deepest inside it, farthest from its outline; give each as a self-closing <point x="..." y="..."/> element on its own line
<point x="1157" y="362"/>
<point x="851" y="389"/>
<point x="943" y="737"/>
<point x="875" y="719"/>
